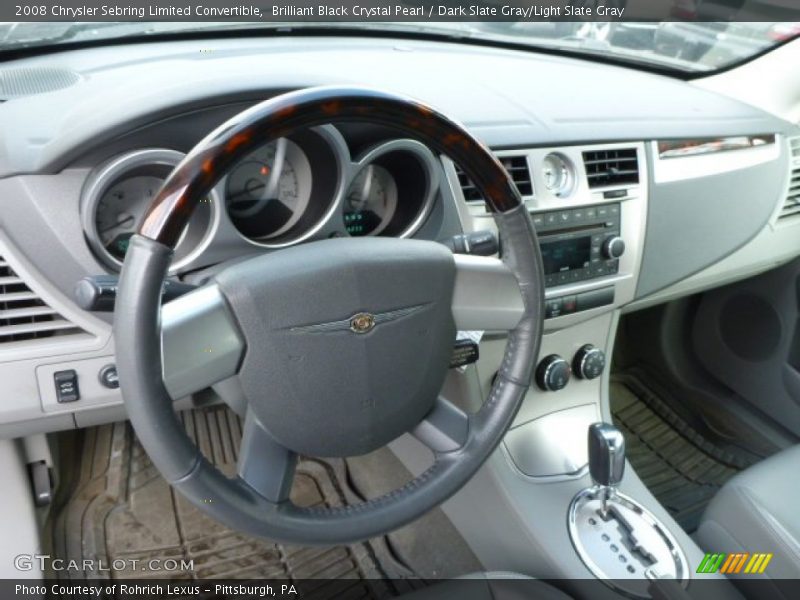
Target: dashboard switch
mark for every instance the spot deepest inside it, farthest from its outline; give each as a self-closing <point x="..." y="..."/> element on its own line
<point x="108" y="377"/>
<point x="553" y="308"/>
<point x="66" y="386"/>
<point x="99" y="292"/>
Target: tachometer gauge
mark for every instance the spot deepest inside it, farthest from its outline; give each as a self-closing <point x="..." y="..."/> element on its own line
<point x="557" y="174"/>
<point x="264" y="194"/>
<point x="370" y="202"/>
<point x="119" y="192"/>
<point x="120" y="210"/>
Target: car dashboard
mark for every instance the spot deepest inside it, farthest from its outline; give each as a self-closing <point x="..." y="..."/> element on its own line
<point x="642" y="188"/>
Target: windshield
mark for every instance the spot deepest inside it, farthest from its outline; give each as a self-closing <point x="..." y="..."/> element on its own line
<point x="681" y="46"/>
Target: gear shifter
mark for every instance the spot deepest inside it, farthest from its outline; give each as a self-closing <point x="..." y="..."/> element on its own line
<point x="606" y="459"/>
<point x="617" y="538"/>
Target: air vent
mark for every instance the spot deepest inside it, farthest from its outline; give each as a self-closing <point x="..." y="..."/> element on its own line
<point x="25" y="316"/>
<point x="791" y="207"/>
<point x="610" y="167"/>
<point x="517" y="167"/>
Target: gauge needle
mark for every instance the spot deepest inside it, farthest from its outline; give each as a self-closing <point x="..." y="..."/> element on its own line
<point x="123" y="222"/>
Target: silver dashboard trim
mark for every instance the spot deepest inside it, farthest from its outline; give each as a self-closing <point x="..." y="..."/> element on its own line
<point x="486" y="295"/>
<point x="200" y="342"/>
<point x="668" y="170"/>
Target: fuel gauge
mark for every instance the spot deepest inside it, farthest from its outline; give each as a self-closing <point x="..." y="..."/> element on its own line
<point x="371" y="201"/>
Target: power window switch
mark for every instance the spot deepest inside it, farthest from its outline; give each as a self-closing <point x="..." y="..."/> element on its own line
<point x="66" y="386"/>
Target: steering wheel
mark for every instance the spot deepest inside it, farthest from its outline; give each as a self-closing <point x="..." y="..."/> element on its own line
<point x="338" y="346"/>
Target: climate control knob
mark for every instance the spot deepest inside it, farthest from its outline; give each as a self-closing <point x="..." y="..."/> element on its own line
<point x="553" y="373"/>
<point x="613" y="247"/>
<point x="589" y="362"/>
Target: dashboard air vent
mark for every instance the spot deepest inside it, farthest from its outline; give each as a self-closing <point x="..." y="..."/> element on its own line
<point x="25" y="316"/>
<point x="517" y="167"/>
<point x="612" y="166"/>
<point x="791" y="207"/>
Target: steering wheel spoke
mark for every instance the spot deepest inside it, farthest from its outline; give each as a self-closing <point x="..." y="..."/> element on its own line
<point x="445" y="428"/>
<point x="486" y="295"/>
<point x="200" y="342"/>
<point x="264" y="464"/>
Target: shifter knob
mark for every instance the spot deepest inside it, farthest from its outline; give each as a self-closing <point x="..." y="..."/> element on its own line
<point x="606" y="454"/>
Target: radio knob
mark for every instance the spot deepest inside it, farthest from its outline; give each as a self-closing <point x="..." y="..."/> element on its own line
<point x="589" y="362"/>
<point x="553" y="373"/>
<point x="613" y="247"/>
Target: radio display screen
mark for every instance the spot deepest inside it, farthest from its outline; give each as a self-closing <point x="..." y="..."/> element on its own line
<point x="566" y="255"/>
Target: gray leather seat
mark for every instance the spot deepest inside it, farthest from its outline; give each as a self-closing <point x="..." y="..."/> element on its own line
<point x="756" y="511"/>
<point x="493" y="585"/>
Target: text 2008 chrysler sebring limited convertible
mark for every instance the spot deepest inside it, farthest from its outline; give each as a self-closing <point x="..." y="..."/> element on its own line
<point x="383" y="304"/>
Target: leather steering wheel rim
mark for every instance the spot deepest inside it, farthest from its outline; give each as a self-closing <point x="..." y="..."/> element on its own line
<point x="137" y="327"/>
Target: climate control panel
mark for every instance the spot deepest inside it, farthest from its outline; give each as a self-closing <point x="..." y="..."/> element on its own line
<point x="553" y="373"/>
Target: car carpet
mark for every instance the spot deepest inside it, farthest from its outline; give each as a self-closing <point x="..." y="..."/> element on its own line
<point x="114" y="504"/>
<point x="681" y="468"/>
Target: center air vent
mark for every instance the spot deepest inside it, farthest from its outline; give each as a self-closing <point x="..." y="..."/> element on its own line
<point x="517" y="167"/>
<point x="791" y="207"/>
<point x="613" y="166"/>
<point x="25" y="316"/>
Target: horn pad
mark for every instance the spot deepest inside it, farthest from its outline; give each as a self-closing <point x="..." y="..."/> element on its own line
<point x="348" y="340"/>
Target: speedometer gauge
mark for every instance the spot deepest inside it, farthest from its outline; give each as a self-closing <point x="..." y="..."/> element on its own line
<point x="370" y="202"/>
<point x="266" y="194"/>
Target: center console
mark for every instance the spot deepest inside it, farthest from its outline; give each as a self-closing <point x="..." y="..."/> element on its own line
<point x="555" y="512"/>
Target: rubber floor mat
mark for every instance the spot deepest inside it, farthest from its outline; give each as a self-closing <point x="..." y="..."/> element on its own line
<point x="119" y="507"/>
<point x="681" y="469"/>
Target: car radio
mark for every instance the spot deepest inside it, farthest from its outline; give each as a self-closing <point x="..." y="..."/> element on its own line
<point x="579" y="244"/>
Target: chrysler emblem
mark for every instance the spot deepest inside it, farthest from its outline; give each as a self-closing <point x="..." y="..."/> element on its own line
<point x="362" y="323"/>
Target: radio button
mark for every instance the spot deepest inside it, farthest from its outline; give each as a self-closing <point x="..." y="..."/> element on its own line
<point x="613" y="247"/>
<point x="564" y="216"/>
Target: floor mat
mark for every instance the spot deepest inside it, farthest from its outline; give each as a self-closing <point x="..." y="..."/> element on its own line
<point x="119" y="507"/>
<point x="680" y="467"/>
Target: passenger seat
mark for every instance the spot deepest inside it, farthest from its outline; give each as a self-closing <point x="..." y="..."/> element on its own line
<point x="757" y="512"/>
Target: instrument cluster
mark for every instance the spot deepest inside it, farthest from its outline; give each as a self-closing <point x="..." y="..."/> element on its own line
<point x="305" y="186"/>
